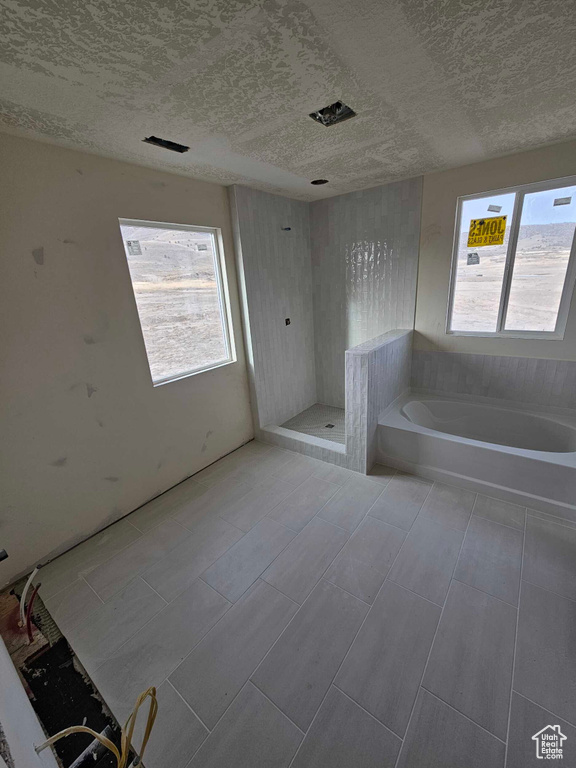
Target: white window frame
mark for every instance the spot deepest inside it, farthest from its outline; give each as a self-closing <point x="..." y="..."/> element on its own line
<point x="562" y="318"/>
<point x="223" y="295"/>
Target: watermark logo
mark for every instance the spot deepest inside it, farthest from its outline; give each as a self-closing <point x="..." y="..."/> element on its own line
<point x="549" y="743"/>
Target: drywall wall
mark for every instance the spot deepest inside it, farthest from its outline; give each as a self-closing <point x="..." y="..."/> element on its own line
<point x="85" y="436"/>
<point x="273" y="246"/>
<point x="439" y="200"/>
<point x="365" y="260"/>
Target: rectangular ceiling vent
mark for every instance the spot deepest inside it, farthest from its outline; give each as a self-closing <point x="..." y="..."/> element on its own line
<point x="171" y="145"/>
<point x="335" y="113"/>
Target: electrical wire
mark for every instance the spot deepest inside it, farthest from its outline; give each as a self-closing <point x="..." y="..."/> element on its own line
<point x="126" y="735"/>
<point x="24" y="593"/>
<point x="29" y="613"/>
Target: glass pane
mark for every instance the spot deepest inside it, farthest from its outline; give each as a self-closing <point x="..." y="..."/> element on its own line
<point x="177" y="294"/>
<point x="544" y="243"/>
<point x="480" y="268"/>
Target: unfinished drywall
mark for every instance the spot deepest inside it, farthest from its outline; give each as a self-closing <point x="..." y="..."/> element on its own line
<point x="85" y="436"/>
<point x="439" y="201"/>
<point x="364" y="259"/>
<point x="273" y="245"/>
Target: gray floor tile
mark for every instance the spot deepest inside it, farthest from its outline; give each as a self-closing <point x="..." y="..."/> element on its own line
<point x="380" y="473"/>
<point x="83" y="558"/>
<point x="272" y="463"/>
<point x="244" y="562"/>
<point x="500" y="511"/>
<point x="177" y="732"/>
<point x="351" y="503"/>
<point x="114" y="622"/>
<point x="401" y="501"/>
<point x="303" y="503"/>
<point x="211" y="676"/>
<point x="252" y="734"/>
<point x="332" y="473"/>
<point x="158" y="648"/>
<point x="426" y="561"/>
<point x="231" y="465"/>
<point x="470" y="665"/>
<point x="545" y="670"/>
<point x="440" y="737"/>
<point x="449" y="506"/>
<point x="298" y="469"/>
<point x="245" y="512"/>
<point x="526" y="720"/>
<point x="550" y="556"/>
<point x="297" y="570"/>
<point x="182" y="565"/>
<point x="212" y="501"/>
<point x="362" y="565"/>
<point x="343" y="735"/>
<point x="491" y="559"/>
<point x="116" y="573"/>
<point x="166" y="506"/>
<point x="300" y="667"/>
<point x="73" y="605"/>
<point x="384" y="668"/>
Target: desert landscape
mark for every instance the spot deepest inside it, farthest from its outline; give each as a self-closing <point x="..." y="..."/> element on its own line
<point x="541" y="259"/>
<point x="177" y="296"/>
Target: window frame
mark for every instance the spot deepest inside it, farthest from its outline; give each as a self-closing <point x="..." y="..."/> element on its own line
<point x="521" y="190"/>
<point x="222" y="288"/>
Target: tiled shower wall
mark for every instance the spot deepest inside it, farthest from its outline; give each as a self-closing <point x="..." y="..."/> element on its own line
<point x="364" y="260"/>
<point x="276" y="284"/>
<point x="536" y="381"/>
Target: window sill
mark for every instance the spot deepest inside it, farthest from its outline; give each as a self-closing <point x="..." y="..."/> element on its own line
<point x="550" y="335"/>
<point x="188" y="374"/>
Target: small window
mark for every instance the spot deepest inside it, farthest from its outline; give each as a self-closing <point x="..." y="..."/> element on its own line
<point x="178" y="277"/>
<point x="513" y="266"/>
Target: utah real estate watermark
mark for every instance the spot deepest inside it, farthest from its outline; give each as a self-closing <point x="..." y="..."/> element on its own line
<point x="549" y="743"/>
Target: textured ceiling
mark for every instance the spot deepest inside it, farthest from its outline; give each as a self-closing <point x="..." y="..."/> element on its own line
<point x="435" y="83"/>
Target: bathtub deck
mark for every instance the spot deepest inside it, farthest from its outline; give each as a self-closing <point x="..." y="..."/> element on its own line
<point x="292" y="613"/>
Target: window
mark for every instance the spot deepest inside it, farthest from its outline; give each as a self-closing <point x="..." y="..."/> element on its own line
<point x="178" y="276"/>
<point x="513" y="266"/>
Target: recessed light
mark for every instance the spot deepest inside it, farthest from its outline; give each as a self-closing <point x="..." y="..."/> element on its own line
<point x="317" y="182"/>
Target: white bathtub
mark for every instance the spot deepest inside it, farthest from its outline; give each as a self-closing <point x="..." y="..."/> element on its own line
<point x="526" y="456"/>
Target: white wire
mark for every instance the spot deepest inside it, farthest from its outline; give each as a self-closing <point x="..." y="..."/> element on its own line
<point x="24" y="593"/>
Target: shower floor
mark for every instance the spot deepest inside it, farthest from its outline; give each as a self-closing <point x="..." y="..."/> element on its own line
<point x="313" y="421"/>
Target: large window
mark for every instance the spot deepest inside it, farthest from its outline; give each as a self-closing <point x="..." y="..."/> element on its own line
<point x="177" y="274"/>
<point x="513" y="266"/>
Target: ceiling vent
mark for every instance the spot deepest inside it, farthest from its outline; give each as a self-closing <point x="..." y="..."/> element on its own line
<point x="171" y="145"/>
<point x="333" y="114"/>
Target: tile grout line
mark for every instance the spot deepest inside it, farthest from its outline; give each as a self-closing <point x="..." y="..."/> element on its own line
<point x="141" y="577"/>
<point x="196" y="715"/>
<point x="550" y="591"/>
<point x="251" y="682"/>
<point x="497" y="522"/>
<point x="483" y="592"/>
<point x="81" y="578"/>
<point x="467" y="717"/>
<point x="523" y="696"/>
<point x="352" y="699"/>
<point x="436" y="632"/>
<point x="515" y="643"/>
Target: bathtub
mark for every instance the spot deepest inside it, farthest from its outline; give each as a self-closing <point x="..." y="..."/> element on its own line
<point x="523" y="455"/>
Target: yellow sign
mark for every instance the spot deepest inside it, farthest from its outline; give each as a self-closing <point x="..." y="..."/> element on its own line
<point x="488" y="231"/>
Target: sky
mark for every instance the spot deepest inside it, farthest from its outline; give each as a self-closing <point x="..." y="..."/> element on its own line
<point x="538" y="208"/>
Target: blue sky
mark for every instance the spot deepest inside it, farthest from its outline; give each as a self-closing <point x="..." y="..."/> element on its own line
<point x="538" y="207"/>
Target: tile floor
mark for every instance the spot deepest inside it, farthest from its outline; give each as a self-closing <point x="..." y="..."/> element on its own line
<point x="292" y="613"/>
<point x="313" y="421"/>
